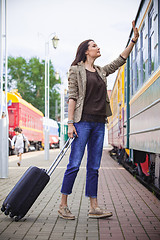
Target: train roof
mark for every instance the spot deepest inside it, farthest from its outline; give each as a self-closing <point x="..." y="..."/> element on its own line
<point x="15" y="97"/>
<point x="130" y="36"/>
<point x="50" y="122"/>
<point x="138" y="12"/>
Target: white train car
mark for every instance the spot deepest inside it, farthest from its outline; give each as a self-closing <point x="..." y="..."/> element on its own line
<point x="53" y="132"/>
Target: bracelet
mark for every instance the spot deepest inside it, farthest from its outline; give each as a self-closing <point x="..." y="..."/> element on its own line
<point x="70" y="121"/>
<point x="133" y="41"/>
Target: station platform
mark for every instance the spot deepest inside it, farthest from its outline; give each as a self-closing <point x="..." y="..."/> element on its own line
<point x="136" y="211"/>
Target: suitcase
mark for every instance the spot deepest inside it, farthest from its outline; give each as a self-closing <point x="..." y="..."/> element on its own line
<point x="29" y="187"/>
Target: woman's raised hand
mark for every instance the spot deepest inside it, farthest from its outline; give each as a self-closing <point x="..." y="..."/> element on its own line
<point x="136" y="33"/>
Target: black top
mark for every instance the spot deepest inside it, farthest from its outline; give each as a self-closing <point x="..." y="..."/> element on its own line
<point x="94" y="108"/>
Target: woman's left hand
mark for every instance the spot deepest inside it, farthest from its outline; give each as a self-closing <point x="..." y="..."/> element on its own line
<point x="129" y="48"/>
<point x="136" y="33"/>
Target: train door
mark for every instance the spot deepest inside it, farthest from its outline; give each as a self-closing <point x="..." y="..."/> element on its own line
<point x="123" y="127"/>
<point x="12" y="120"/>
<point x="119" y="120"/>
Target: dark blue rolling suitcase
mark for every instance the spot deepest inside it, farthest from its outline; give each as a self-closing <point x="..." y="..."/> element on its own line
<point x="29" y="187"/>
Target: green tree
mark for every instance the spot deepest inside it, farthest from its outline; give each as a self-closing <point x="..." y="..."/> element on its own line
<point x="29" y="78"/>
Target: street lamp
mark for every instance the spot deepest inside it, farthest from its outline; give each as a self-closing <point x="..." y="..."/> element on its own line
<point x="55" y="40"/>
<point x="57" y="75"/>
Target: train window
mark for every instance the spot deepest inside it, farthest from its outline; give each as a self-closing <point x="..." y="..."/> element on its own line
<point x="125" y="83"/>
<point x="131" y="74"/>
<point x="142" y="62"/>
<point x="28" y="121"/>
<point x="151" y="62"/>
<point x="32" y="122"/>
<point x="115" y="97"/>
<point x="25" y="120"/>
<point x="11" y="117"/>
<point x="136" y="67"/>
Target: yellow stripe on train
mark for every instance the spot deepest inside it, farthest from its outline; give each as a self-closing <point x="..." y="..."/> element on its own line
<point x="15" y="97"/>
<point x="31" y="129"/>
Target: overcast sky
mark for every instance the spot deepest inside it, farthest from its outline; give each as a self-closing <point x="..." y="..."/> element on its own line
<point x="31" y="22"/>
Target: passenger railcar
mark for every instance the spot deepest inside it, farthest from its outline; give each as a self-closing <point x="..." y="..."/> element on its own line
<point x="65" y="134"/>
<point x="134" y="127"/>
<point x="53" y="132"/>
<point x="116" y="121"/>
<point x="26" y="116"/>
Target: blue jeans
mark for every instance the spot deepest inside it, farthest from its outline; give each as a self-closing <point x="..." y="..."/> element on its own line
<point x="92" y="134"/>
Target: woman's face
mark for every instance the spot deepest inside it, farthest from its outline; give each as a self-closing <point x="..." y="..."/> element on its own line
<point x="93" y="50"/>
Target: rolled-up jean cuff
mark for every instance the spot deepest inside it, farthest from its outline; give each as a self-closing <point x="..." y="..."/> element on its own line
<point x="91" y="196"/>
<point x="65" y="193"/>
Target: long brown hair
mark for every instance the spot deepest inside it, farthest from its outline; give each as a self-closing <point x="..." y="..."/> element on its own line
<point x="81" y="52"/>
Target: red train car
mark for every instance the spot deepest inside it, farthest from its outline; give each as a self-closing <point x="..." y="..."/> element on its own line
<point x="26" y="116"/>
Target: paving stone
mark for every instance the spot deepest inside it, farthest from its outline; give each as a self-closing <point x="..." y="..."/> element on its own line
<point x="136" y="211"/>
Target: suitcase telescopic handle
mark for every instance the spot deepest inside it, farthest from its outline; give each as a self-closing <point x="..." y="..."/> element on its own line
<point x="60" y="155"/>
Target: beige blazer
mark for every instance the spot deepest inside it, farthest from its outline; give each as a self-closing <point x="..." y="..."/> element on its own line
<point x="77" y="84"/>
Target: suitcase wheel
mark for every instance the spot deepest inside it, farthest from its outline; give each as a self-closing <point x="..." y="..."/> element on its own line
<point x="17" y="218"/>
<point x="6" y="212"/>
<point x="3" y="208"/>
<point x="11" y="215"/>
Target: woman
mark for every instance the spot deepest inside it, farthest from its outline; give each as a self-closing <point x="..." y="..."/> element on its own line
<point x="88" y="109"/>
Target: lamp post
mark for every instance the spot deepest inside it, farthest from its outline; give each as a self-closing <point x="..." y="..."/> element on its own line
<point x="63" y="92"/>
<point x="56" y="103"/>
<point x="55" y="40"/>
<point x="4" y="117"/>
<point x="62" y="116"/>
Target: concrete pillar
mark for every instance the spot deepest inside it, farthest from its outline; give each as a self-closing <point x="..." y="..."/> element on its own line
<point x="3" y="148"/>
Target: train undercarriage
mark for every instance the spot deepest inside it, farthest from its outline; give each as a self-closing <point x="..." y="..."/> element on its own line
<point x="144" y="166"/>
